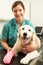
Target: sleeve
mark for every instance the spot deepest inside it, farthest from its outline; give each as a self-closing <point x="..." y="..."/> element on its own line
<point x="5" y="32"/>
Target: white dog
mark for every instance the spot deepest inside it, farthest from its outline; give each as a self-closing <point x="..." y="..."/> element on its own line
<point x="26" y="36"/>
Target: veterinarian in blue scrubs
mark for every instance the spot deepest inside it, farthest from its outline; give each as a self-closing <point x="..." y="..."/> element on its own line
<point x="10" y="29"/>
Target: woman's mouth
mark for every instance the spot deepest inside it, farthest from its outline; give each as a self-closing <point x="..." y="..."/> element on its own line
<point x="18" y="16"/>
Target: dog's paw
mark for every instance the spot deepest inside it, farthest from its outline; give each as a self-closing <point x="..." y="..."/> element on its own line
<point x="24" y="61"/>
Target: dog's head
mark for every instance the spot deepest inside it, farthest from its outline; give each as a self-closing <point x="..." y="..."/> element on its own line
<point x="26" y="33"/>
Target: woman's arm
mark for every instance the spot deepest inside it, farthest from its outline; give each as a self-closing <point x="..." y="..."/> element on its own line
<point x="5" y="45"/>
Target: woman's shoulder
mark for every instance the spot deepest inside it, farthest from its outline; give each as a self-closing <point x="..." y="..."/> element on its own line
<point x="28" y="22"/>
<point x="9" y="22"/>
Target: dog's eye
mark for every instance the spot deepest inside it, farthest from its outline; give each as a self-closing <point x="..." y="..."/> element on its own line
<point x="22" y="28"/>
<point x="29" y="30"/>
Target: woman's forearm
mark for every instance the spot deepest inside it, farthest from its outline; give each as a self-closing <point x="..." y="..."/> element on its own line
<point x="5" y="45"/>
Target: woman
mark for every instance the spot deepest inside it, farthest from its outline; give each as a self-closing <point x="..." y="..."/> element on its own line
<point x="10" y="30"/>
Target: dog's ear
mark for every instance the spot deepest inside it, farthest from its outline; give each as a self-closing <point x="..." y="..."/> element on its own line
<point x="18" y="33"/>
<point x="32" y="36"/>
<point x="33" y="33"/>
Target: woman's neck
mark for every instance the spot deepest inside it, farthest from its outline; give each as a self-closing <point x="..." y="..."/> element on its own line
<point x="19" y="22"/>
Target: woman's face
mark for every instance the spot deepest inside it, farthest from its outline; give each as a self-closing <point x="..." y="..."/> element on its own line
<point x="18" y="12"/>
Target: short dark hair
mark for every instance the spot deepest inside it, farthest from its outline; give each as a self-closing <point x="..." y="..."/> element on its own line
<point x="17" y="3"/>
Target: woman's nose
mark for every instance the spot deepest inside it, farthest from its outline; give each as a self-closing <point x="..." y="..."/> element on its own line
<point x="17" y="12"/>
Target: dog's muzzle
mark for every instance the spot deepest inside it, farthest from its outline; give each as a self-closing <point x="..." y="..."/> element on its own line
<point x="25" y="35"/>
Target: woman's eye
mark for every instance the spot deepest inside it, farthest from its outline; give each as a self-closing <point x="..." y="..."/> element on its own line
<point x="20" y="10"/>
<point x="15" y="11"/>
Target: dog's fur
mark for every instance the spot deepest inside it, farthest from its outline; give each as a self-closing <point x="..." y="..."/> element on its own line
<point x="26" y="36"/>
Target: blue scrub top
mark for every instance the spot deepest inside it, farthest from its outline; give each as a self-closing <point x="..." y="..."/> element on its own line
<point x="10" y="30"/>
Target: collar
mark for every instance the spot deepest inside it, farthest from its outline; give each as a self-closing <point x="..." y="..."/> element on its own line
<point x="14" y="23"/>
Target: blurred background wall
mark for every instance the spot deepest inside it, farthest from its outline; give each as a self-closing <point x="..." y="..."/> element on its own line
<point x="6" y="12"/>
<point x="34" y="11"/>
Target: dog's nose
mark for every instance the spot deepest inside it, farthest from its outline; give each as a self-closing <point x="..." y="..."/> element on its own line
<point x="25" y="34"/>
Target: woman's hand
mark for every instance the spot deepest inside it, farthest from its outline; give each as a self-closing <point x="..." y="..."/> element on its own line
<point x="28" y="48"/>
<point x="9" y="49"/>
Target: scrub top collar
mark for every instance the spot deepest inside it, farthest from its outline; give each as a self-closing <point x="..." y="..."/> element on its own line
<point x="14" y="23"/>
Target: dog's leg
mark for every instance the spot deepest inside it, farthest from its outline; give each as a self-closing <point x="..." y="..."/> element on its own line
<point x="29" y="57"/>
<point x="7" y="58"/>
